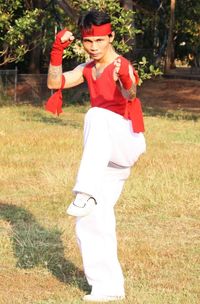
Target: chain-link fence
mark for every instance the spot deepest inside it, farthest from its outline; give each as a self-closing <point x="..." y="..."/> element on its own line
<point x="8" y="86"/>
<point x="32" y="88"/>
<point x="22" y="88"/>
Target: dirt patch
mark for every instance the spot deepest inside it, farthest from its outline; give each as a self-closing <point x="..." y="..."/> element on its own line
<point x="26" y="286"/>
<point x="171" y="94"/>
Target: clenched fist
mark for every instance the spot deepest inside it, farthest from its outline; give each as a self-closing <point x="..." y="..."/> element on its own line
<point x="63" y="39"/>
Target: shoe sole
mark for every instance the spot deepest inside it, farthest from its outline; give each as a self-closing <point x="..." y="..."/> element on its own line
<point x="90" y="298"/>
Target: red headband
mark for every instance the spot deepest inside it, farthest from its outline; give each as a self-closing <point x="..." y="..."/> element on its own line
<point x="97" y="30"/>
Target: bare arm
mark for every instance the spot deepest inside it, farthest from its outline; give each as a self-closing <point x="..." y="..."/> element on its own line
<point x="72" y="78"/>
<point x="54" y="76"/>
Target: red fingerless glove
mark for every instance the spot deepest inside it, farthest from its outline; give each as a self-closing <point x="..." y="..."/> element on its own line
<point x="58" y="48"/>
<point x="124" y="75"/>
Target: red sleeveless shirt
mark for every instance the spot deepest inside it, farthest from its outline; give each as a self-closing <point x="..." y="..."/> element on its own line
<point x="104" y="93"/>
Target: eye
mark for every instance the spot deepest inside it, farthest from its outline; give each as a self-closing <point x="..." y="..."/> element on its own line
<point x="86" y="40"/>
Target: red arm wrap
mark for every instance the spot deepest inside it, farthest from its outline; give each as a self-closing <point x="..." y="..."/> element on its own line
<point x="58" y="48"/>
<point x="124" y="75"/>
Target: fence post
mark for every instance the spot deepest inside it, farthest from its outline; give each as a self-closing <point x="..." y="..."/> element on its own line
<point x="15" y="94"/>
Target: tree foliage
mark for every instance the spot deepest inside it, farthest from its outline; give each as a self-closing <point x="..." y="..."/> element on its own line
<point x="31" y="24"/>
<point x="187" y="29"/>
<point x="146" y="70"/>
<point x="153" y="18"/>
<point x="17" y="26"/>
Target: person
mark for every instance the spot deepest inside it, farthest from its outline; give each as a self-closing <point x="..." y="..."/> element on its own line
<point x="113" y="142"/>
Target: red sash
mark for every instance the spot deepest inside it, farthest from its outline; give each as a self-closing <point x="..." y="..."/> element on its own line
<point x="54" y="103"/>
<point x="133" y="111"/>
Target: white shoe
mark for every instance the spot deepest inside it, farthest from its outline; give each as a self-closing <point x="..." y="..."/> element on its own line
<point x="82" y="205"/>
<point x="102" y="298"/>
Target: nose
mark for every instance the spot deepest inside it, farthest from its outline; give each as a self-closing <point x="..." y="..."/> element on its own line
<point x="94" y="46"/>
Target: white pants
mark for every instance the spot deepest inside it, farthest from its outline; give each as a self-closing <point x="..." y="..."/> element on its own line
<point x="110" y="150"/>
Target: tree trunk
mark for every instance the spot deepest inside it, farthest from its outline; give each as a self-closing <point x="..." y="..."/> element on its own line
<point x="34" y="64"/>
<point x="35" y="53"/>
<point x="128" y="5"/>
<point x="169" y="61"/>
<point x="68" y="9"/>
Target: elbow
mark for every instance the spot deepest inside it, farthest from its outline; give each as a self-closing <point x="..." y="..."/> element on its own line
<point x="49" y="86"/>
<point x="53" y="86"/>
<point x="132" y="96"/>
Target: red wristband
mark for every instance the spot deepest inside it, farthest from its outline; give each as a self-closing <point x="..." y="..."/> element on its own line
<point x="124" y="75"/>
<point x="58" y="48"/>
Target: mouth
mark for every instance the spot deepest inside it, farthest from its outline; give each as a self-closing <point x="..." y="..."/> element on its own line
<point x="94" y="55"/>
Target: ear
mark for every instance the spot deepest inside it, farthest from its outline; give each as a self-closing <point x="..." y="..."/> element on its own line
<point x="112" y="36"/>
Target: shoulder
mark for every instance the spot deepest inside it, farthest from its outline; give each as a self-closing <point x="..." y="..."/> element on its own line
<point x="124" y="60"/>
<point x="85" y="64"/>
<point x="87" y="68"/>
<point x="81" y="66"/>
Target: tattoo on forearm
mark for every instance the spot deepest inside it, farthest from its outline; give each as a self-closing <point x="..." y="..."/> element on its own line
<point x="55" y="72"/>
<point x="128" y="94"/>
<point x="132" y="91"/>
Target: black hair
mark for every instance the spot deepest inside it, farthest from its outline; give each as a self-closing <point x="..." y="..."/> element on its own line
<point x="93" y="17"/>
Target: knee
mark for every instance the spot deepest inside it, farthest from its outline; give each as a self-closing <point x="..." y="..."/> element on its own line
<point x="83" y="227"/>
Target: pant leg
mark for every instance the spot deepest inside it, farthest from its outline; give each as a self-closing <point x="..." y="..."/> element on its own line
<point x="96" y="153"/>
<point x="108" y="137"/>
<point x="96" y="234"/>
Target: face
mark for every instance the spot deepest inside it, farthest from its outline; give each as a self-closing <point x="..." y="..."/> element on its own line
<point x="98" y="46"/>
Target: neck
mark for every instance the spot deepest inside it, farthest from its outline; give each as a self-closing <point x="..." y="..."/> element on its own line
<point x="108" y="57"/>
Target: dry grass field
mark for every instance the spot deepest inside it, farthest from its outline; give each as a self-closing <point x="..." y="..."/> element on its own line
<point x="158" y="214"/>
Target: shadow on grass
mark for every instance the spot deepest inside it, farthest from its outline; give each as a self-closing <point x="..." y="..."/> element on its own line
<point x="52" y="120"/>
<point x="170" y="114"/>
<point x="36" y="246"/>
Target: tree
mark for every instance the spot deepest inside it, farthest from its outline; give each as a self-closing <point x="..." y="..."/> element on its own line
<point x="128" y="5"/>
<point x="28" y="28"/>
<point x="169" y="61"/>
<point x="70" y="10"/>
<point x="187" y="28"/>
<point x="17" y="27"/>
<point x="36" y="48"/>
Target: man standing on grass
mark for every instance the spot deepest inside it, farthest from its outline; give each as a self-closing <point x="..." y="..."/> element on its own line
<point x="113" y="142"/>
